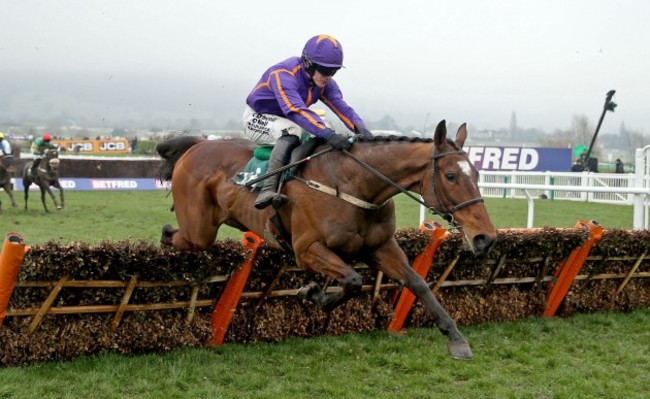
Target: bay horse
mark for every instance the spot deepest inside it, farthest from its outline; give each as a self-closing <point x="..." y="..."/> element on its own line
<point x="6" y="173"/>
<point x="47" y="176"/>
<point x="357" y="217"/>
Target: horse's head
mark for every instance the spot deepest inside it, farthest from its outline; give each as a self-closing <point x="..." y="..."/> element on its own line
<point x="452" y="186"/>
<point x="52" y="159"/>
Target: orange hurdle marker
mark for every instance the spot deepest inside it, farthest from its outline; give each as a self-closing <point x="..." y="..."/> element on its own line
<point x="225" y="308"/>
<point x="568" y="270"/>
<point x="421" y="265"/>
<point x="11" y="258"/>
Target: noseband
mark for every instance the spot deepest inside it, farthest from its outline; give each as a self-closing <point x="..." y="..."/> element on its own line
<point x="445" y="213"/>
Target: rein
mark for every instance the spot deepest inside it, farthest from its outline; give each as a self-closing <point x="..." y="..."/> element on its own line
<point x="446" y="214"/>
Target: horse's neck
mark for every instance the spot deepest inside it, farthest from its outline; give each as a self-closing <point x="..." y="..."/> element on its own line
<point x="403" y="163"/>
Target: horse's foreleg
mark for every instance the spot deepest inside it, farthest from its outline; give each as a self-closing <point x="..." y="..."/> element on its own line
<point x="26" y="184"/>
<point x="43" y="191"/>
<point x="9" y="191"/>
<point x="13" y="200"/>
<point x="57" y="205"/>
<point x="392" y="261"/>
<point x="322" y="260"/>
<point x="58" y="186"/>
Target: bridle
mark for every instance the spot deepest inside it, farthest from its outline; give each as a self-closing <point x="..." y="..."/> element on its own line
<point x="446" y="213"/>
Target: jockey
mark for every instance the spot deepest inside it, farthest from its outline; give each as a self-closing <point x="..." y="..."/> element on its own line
<point x="277" y="108"/>
<point x="5" y="147"/>
<point x="39" y="147"/>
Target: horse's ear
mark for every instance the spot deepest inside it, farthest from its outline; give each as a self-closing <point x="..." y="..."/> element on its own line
<point x="461" y="135"/>
<point x="440" y="135"/>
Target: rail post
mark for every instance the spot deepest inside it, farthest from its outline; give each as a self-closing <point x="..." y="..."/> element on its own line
<point x="11" y="258"/>
<point x="568" y="270"/>
<point x="226" y="306"/>
<point x="422" y="264"/>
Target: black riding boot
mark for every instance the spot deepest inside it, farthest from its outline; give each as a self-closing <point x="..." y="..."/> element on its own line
<point x="279" y="157"/>
<point x="34" y="170"/>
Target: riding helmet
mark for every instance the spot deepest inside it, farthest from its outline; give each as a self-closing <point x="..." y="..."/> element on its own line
<point x="47" y="137"/>
<point x="323" y="50"/>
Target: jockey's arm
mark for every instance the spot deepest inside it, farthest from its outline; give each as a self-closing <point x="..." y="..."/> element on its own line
<point x="333" y="98"/>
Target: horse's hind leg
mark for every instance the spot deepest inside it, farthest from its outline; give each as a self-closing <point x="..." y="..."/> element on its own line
<point x="167" y="237"/>
<point x="321" y="259"/>
<point x="197" y="228"/>
<point x="391" y="260"/>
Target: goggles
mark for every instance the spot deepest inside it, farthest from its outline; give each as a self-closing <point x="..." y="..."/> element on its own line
<point x="326" y="71"/>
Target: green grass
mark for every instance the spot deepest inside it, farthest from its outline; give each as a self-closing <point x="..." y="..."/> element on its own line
<point x="602" y="355"/>
<point x="93" y="216"/>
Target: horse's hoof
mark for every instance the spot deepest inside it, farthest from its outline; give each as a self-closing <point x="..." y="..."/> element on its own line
<point x="59" y="207"/>
<point x="306" y="291"/>
<point x="167" y="234"/>
<point x="460" y="350"/>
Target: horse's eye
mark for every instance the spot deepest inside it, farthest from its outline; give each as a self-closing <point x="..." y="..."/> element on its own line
<point x="450" y="177"/>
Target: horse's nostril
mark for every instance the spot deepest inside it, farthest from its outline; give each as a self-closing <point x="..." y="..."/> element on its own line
<point x="482" y="243"/>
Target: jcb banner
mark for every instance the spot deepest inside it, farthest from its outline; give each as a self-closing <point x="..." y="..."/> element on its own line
<point x="113" y="146"/>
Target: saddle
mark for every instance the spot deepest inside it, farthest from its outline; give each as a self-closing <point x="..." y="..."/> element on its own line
<point x="258" y="165"/>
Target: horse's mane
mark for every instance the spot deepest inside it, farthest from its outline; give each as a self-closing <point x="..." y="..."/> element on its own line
<point x="392" y="138"/>
<point x="408" y="139"/>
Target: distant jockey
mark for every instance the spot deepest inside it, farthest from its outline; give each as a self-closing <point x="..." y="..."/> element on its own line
<point x="39" y="146"/>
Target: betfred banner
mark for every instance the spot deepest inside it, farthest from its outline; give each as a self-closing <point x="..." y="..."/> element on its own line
<point x="111" y="146"/>
<point x="101" y="184"/>
<point x="520" y="158"/>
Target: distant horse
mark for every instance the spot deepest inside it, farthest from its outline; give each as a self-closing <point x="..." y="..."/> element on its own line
<point x="356" y="218"/>
<point x="6" y="173"/>
<point x="47" y="176"/>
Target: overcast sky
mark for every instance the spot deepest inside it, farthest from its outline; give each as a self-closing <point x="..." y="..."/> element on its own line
<point x="464" y="61"/>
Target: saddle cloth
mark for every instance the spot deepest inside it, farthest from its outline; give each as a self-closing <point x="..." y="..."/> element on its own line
<point x="256" y="167"/>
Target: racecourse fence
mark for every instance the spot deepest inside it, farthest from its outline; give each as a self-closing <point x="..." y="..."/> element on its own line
<point x="612" y="188"/>
<point x="70" y="300"/>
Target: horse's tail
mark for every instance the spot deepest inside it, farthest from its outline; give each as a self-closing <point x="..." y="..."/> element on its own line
<point x="170" y="151"/>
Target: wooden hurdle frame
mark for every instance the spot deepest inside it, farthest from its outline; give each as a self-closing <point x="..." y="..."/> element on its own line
<point x="224" y="307"/>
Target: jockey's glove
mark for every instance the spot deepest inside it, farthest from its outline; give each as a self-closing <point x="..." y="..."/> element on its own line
<point x="339" y="141"/>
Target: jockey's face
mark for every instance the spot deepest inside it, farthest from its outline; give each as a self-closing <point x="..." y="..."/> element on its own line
<point x="320" y="80"/>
